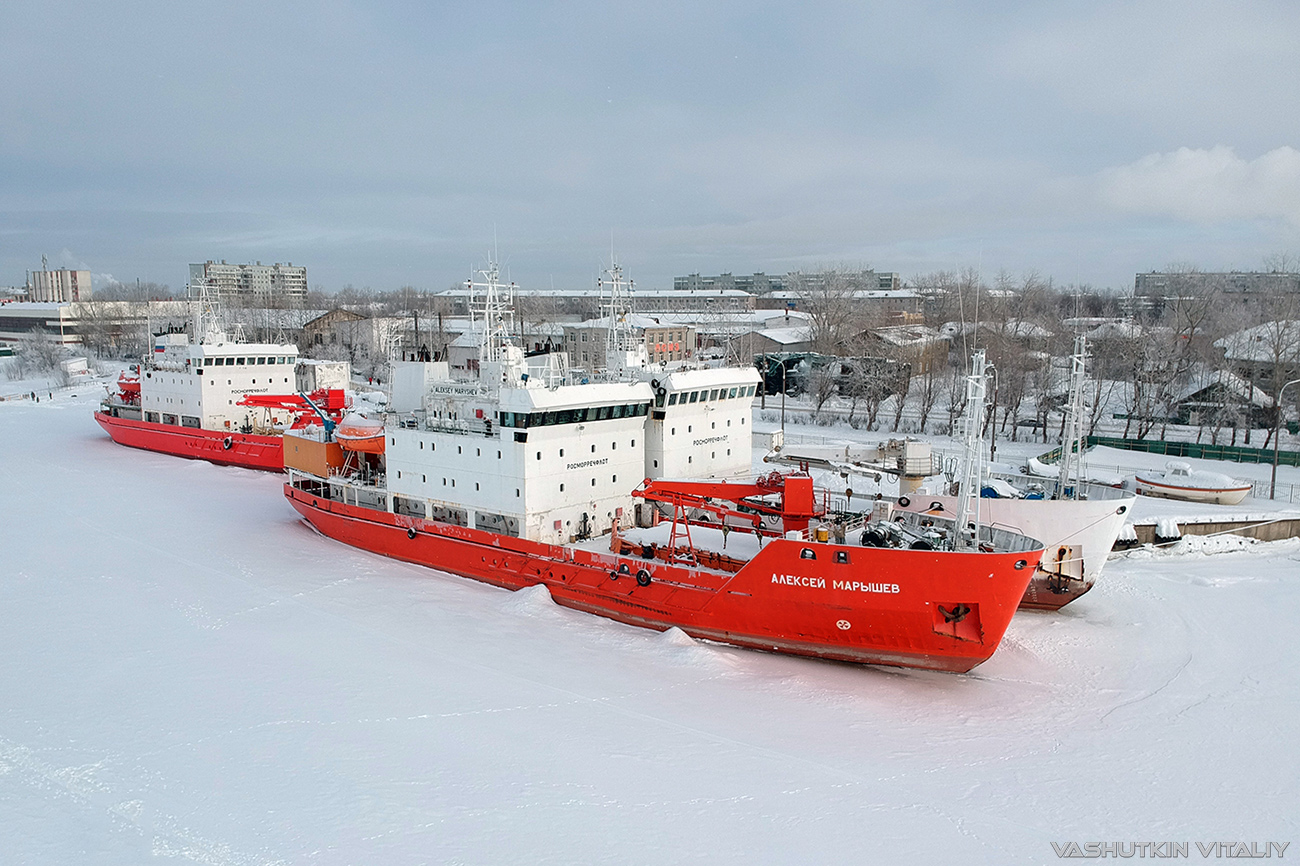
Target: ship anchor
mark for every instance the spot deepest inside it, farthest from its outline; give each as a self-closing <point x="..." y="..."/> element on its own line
<point x="957" y="614"/>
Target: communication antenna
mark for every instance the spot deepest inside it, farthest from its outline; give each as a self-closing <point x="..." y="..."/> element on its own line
<point x="623" y="349"/>
<point x="972" y="466"/>
<point x="496" y="311"/>
<point x="1072" y="441"/>
<point x="207" y="314"/>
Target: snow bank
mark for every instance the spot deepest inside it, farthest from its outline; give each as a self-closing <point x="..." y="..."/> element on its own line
<point x="531" y="601"/>
<point x="1168" y="528"/>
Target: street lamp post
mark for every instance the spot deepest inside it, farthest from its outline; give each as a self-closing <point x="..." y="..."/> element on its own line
<point x="1277" y="432"/>
<point x="782" y="397"/>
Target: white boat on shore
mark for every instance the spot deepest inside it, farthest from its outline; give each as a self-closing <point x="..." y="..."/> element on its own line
<point x="1181" y="481"/>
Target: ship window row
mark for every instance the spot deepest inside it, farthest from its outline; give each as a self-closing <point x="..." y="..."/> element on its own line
<point x="708" y="394"/>
<point x="236" y="361"/>
<point x="579" y="415"/>
<point x="447" y="481"/>
<point x="613" y="446"/>
<point x="433" y="446"/>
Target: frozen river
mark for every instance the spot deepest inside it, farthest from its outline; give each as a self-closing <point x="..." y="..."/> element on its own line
<point x="190" y="674"/>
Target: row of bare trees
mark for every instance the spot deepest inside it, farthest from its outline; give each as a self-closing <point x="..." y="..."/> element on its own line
<point x="1147" y="354"/>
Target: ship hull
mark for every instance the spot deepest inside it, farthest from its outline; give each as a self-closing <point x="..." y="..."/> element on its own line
<point x="1205" y="495"/>
<point x="1092" y="525"/>
<point x="1053" y="592"/>
<point x="881" y="606"/>
<point x="249" y="450"/>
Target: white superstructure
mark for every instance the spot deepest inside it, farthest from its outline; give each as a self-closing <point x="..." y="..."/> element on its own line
<point x="699" y="427"/>
<point x="523" y="450"/>
<point x="199" y="385"/>
<point x="545" y="463"/>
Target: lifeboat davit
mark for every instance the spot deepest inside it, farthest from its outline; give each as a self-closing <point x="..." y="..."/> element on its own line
<point x="359" y="433"/>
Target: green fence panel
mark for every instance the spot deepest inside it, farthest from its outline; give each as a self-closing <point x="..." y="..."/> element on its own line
<point x="1188" y="449"/>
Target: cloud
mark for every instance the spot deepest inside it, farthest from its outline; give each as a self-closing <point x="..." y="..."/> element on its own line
<point x="1207" y="185"/>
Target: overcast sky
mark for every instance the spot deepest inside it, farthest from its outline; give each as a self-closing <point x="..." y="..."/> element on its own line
<point x="384" y="144"/>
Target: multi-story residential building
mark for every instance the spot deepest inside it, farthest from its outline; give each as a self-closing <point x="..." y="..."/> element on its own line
<point x="762" y="284"/>
<point x="1152" y="291"/>
<point x="754" y="284"/>
<point x="58" y="286"/>
<point x="256" y="283"/>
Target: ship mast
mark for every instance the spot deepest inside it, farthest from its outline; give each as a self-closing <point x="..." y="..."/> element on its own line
<point x="1071" y="442"/>
<point x="207" y="316"/>
<point x="623" y="350"/>
<point x="495" y="307"/>
<point x="500" y="360"/>
<point x="972" y="462"/>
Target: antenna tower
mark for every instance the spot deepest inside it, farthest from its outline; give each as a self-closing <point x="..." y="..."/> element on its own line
<point x="1071" y="442"/>
<point x="972" y="465"/>
<point x="495" y="308"/>
<point x="622" y="347"/>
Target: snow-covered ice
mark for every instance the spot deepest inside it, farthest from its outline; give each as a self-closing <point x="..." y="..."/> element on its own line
<point x="191" y="675"/>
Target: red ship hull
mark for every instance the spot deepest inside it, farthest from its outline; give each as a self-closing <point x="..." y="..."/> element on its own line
<point x="882" y="606"/>
<point x="249" y="450"/>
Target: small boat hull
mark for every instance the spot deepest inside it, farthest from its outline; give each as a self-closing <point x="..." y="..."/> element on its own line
<point x="252" y="451"/>
<point x="1207" y="495"/>
<point x="936" y="610"/>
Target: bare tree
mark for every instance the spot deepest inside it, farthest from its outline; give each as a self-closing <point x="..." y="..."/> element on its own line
<point x="137" y="291"/>
<point x="904" y="385"/>
<point x="828" y="296"/>
<point x="822" y="385"/>
<point x="954" y="395"/>
<point x="1282" y="263"/>
<point x="928" y="395"/>
<point x="36" y="352"/>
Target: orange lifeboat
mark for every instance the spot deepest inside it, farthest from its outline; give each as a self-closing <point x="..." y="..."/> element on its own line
<point x="359" y="433"/>
<point x="128" y="388"/>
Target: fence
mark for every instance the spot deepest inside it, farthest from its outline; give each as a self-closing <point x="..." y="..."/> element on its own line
<point x="1186" y="449"/>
